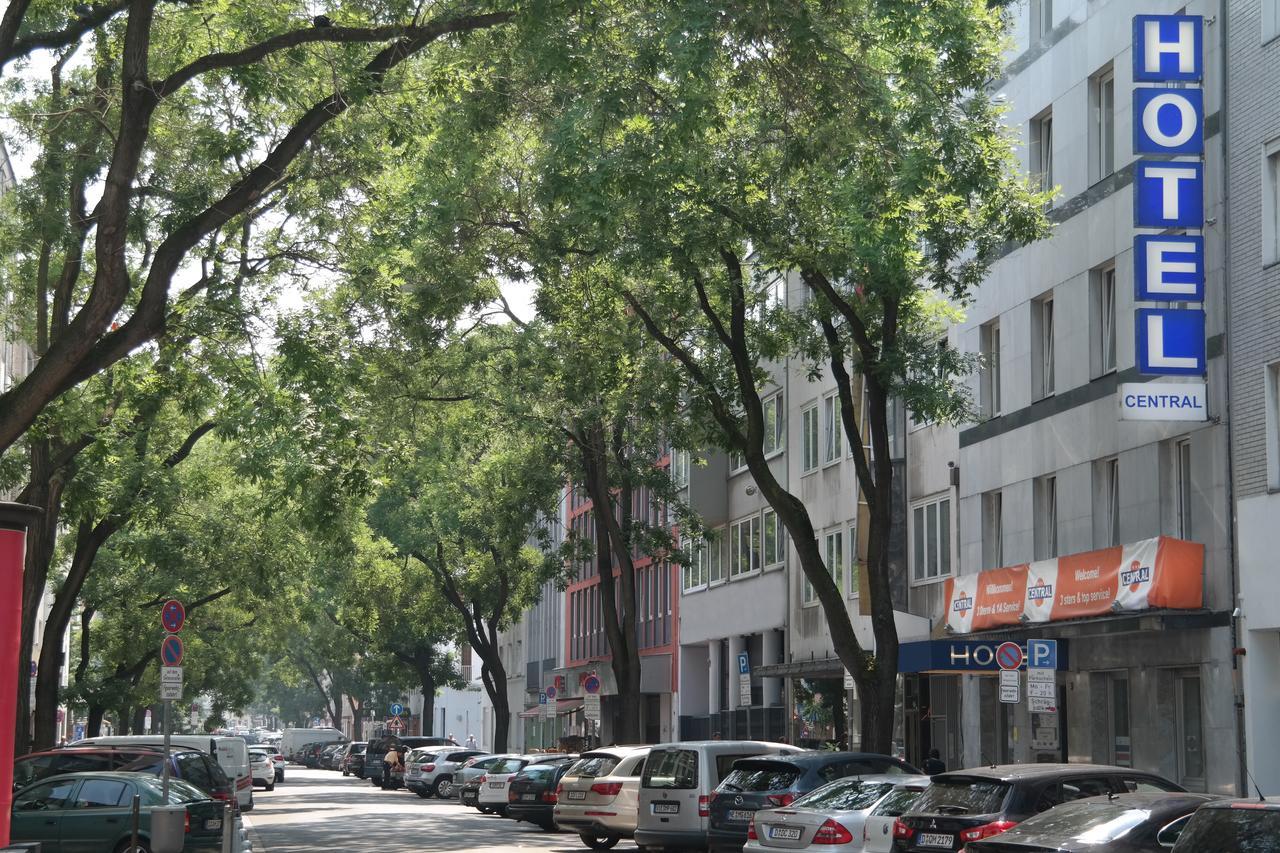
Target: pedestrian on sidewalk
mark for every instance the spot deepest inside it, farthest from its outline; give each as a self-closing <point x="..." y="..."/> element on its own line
<point x="471" y="742"/>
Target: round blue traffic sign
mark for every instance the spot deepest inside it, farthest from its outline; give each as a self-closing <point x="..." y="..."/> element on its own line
<point x="396" y="709"/>
<point x="171" y="650"/>
<point x="591" y="684"/>
<point x="551" y="691"/>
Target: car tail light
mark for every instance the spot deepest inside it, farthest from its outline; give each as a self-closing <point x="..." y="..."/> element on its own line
<point x="987" y="830"/>
<point x="832" y="832"/>
<point x="902" y="831"/>
<point x="483" y="778"/>
<point x="780" y="800"/>
<point x="427" y="768"/>
<point x="511" y="795"/>
<point x="607" y="789"/>
<point x="551" y="796"/>
<point x="704" y="806"/>
<point x="186" y="822"/>
<point x="751" y="830"/>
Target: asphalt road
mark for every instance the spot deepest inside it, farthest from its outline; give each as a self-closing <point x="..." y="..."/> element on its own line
<point x="319" y="810"/>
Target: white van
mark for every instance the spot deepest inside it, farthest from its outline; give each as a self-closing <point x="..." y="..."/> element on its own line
<point x="675" y="790"/>
<point x="293" y="740"/>
<point x="231" y="753"/>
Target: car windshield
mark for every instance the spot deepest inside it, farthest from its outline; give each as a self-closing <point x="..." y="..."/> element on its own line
<point x="897" y="803"/>
<point x="1232" y="830"/>
<point x="844" y="795"/>
<point x="508" y="765"/>
<point x="675" y="769"/>
<point x="758" y="777"/>
<point x="961" y="796"/>
<point x="538" y="771"/>
<point x="593" y="766"/>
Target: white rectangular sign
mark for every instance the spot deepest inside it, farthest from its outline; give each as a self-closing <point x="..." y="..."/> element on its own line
<point x="171" y="690"/>
<point x="1042" y="689"/>
<point x="1041" y="705"/>
<point x="171" y="675"/>
<point x="1163" y="401"/>
<point x="1045" y="738"/>
<point x="591" y="707"/>
<point x="744" y="692"/>
<point x="1044" y="675"/>
<point x="1010" y="694"/>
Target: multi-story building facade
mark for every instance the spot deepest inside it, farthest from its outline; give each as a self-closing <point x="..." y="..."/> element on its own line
<point x="1252" y="130"/>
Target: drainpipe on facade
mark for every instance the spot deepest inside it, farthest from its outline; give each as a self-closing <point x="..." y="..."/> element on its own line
<point x="1242" y="786"/>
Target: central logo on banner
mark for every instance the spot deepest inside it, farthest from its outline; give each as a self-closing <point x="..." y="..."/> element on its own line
<point x="1040" y="593"/>
<point x="962" y="605"/>
<point x="1168" y="121"/>
<point x="1135" y="576"/>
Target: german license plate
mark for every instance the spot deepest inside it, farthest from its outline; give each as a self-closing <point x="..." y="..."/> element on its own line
<point x="666" y="808"/>
<point x="740" y="815"/>
<point x="498" y="785"/>
<point x="529" y="797"/>
<point x="213" y="823"/>
<point x="785" y="833"/>
<point x="577" y="795"/>
<point x="936" y="839"/>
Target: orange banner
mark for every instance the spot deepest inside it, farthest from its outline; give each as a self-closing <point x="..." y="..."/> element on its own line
<point x="1154" y="573"/>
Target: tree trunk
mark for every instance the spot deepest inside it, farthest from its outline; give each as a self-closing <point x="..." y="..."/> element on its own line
<point x="495" y="684"/>
<point x="422" y="660"/>
<point x="94" y="726"/>
<point x="357" y="718"/>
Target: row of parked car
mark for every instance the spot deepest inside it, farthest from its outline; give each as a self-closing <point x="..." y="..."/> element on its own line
<point x="758" y="797"/>
<point x="79" y="797"/>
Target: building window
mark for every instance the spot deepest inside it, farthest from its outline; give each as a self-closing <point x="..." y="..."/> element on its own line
<point x="931" y="540"/>
<point x="1042" y="149"/>
<point x="993" y="530"/>
<point x="1046" y="518"/>
<point x="695" y="570"/>
<point x="809" y="437"/>
<point x="832" y="430"/>
<point x="1041" y="19"/>
<point x="1102" y="98"/>
<point x="1103" y="297"/>
<point x="833" y="554"/>
<point x="990" y="378"/>
<point x="1272" y="395"/>
<point x="1182" y="463"/>
<point x="775" y="540"/>
<point x="1270" y="20"/>
<point x="1271" y="201"/>
<point x="1042" y="377"/>
<point x="680" y="468"/>
<point x="715" y="556"/>
<point x="855" y="578"/>
<point x="744" y="546"/>
<point x="774" y="421"/>
<point x="1107" y="501"/>
<point x="1121" y="748"/>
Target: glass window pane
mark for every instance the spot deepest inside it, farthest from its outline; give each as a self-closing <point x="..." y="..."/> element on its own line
<point x="931" y="536"/>
<point x="917" y="536"/>
<point x="944" y="537"/>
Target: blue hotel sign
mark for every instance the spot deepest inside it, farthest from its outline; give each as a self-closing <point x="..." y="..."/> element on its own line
<point x="1168" y="194"/>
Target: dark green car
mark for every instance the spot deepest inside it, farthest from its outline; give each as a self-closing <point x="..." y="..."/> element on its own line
<point x="91" y="813"/>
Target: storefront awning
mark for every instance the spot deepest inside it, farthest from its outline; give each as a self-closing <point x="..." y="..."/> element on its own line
<point x="568" y="706"/>
<point x="528" y="713"/>
<point x="1154" y="573"/>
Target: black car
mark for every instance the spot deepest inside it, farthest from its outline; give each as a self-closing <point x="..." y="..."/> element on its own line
<point x="531" y="793"/>
<point x="769" y="782"/>
<point x="1118" y="823"/>
<point x="964" y="806"/>
<point x="311" y="754"/>
<point x="331" y="755"/>
<point x="188" y="764"/>
<point x="353" y="762"/>
<point x="1232" y="826"/>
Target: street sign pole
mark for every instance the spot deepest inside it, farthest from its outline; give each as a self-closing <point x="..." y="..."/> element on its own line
<point x="164" y="765"/>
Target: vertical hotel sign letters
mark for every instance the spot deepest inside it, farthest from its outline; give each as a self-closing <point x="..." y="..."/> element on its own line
<point x="1168" y="135"/>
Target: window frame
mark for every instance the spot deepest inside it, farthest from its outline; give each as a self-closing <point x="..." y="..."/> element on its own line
<point x="993" y="529"/>
<point x="918" y="566"/>
<point x="779" y="424"/>
<point x="851" y="549"/>
<point x="717" y="567"/>
<point x="832" y="430"/>
<point x="1271" y="392"/>
<point x="990" y="376"/>
<point x="753" y="535"/>
<point x="1043" y="375"/>
<point x="1045" y="498"/>
<point x="780" y="541"/>
<point x="1271" y="201"/>
<point x="1184" y="487"/>
<point x="1108" y="493"/>
<point x="810" y="439"/>
<point x="1105" y="298"/>
<point x="697" y="568"/>
<point x="1041" y="150"/>
<point x="1270" y="22"/>
<point x="1102" y="129"/>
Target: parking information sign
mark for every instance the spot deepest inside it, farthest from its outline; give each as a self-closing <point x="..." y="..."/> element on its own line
<point x="1042" y="687"/>
<point x="591" y="707"/>
<point x="170" y="682"/>
<point x="1009" y="687"/>
<point x="744" y="679"/>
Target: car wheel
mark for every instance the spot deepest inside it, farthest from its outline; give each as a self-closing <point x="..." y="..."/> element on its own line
<point x="443" y="788"/>
<point x="144" y="846"/>
<point x="271" y="786"/>
<point x="599" y="842"/>
<point x="423" y="792"/>
<point x="377" y="783"/>
<point x="484" y="810"/>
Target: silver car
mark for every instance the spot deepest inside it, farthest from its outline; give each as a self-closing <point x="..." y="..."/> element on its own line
<point x="599" y="795"/>
<point x="877" y="831"/>
<point x="829" y="819"/>
<point x="429" y="772"/>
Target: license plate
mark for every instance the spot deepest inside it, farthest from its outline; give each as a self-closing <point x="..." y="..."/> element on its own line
<point x="666" y="808"/>
<point x="213" y="823"/>
<point x="498" y="785"/>
<point x="740" y="815"/>
<point x="785" y="833"/>
<point x="577" y="795"/>
<point x="935" y="839"/>
<point x="529" y="797"/>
